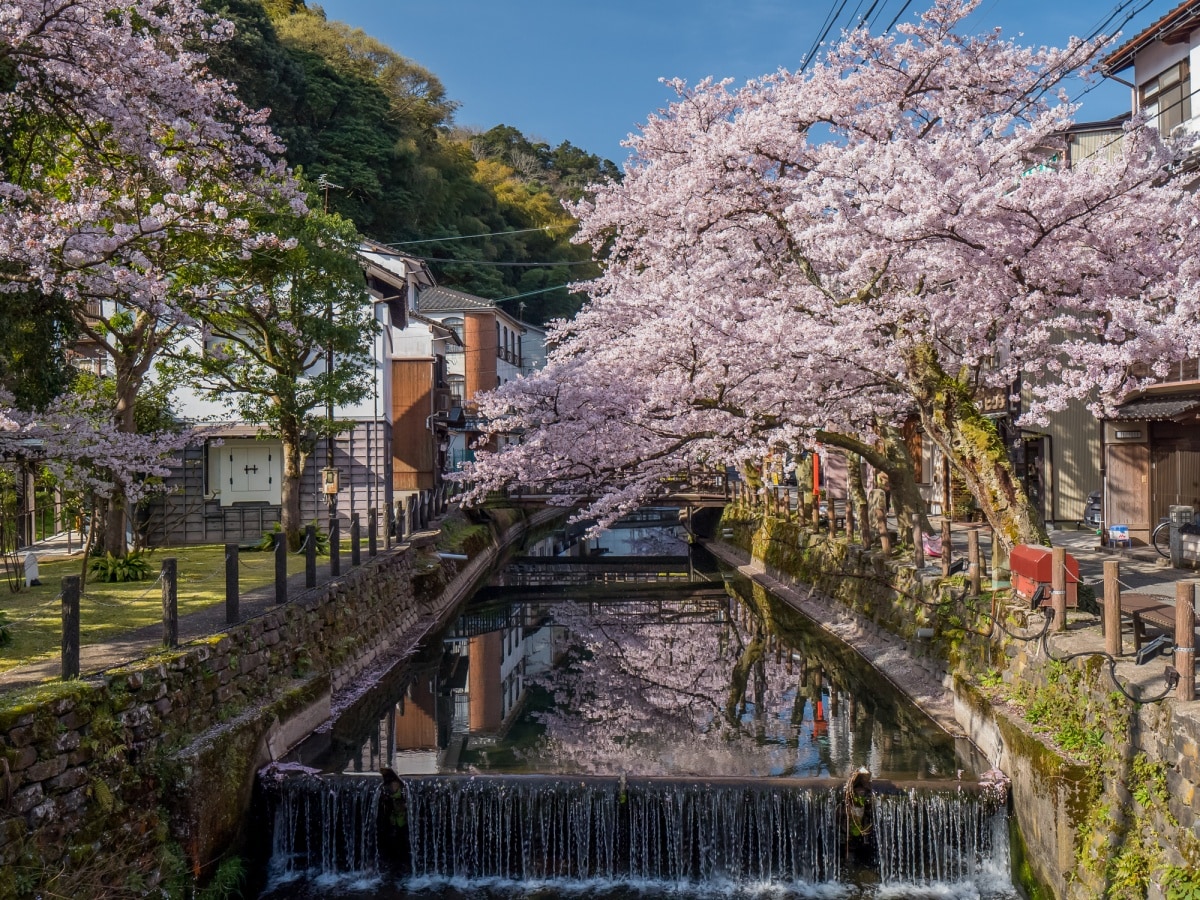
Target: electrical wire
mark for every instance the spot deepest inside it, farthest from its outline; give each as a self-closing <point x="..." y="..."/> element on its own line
<point x="1170" y="674"/>
<point x="463" y="237"/>
<point x="521" y="265"/>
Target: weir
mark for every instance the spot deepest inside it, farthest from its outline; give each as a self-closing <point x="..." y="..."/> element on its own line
<point x="669" y="830"/>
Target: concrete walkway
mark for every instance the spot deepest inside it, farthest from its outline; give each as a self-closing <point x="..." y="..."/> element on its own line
<point x="114" y="652"/>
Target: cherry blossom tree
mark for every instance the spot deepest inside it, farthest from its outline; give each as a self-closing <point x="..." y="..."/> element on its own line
<point x="126" y="170"/>
<point x="881" y="235"/>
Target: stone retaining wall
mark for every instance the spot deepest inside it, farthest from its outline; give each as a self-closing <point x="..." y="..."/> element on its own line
<point x="145" y="773"/>
<point x="1106" y="792"/>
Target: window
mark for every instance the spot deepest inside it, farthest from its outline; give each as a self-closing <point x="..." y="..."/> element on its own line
<point x="455" y="325"/>
<point x="1168" y="98"/>
<point x="499" y="342"/>
<point x="458" y="388"/>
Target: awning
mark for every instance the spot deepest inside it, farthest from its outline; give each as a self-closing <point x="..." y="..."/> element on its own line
<point x="232" y="430"/>
<point x="1156" y="409"/>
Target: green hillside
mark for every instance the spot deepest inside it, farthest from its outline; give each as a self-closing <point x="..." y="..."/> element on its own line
<point x="381" y="128"/>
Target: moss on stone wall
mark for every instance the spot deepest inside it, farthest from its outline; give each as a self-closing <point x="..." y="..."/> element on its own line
<point x="1102" y="755"/>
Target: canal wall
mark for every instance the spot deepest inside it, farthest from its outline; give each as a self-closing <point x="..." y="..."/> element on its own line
<point x="142" y="776"/>
<point x="1106" y="792"/>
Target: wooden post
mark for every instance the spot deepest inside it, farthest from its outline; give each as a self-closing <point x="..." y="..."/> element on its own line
<point x="816" y="511"/>
<point x="918" y="537"/>
<point x="310" y="556"/>
<point x="947" y="546"/>
<point x="974" y="571"/>
<point x="1112" y="607"/>
<point x="1058" y="587"/>
<point x="1185" y="639"/>
<point x="355" y="540"/>
<point x="335" y="548"/>
<point x="170" y="602"/>
<point x="281" y="568"/>
<point x="70" y="627"/>
<point x="849" y="517"/>
<point x="832" y="517"/>
<point x="372" y="533"/>
<point x="232" y="589"/>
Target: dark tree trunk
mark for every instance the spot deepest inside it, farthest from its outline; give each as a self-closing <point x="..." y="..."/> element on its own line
<point x="293" y="469"/>
<point x="977" y="454"/>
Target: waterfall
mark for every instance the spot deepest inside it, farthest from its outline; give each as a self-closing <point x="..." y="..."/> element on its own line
<point x="535" y="829"/>
<point x="938" y="835"/>
<point x="662" y="830"/>
<point x="325" y="826"/>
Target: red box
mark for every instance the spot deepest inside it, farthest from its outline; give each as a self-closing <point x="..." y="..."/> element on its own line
<point x="1030" y="566"/>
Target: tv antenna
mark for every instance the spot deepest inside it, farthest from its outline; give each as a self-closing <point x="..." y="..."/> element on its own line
<point x="325" y="185"/>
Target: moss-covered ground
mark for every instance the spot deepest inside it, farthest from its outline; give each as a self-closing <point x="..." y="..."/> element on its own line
<point x="34" y="614"/>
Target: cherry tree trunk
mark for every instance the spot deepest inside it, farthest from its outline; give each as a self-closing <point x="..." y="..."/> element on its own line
<point x="858" y="496"/>
<point x="116" y="510"/>
<point x="891" y="458"/>
<point x="293" y="468"/>
<point x="972" y="444"/>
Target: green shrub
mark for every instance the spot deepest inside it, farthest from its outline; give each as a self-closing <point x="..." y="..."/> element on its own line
<point x="268" y="539"/>
<point x="1182" y="883"/>
<point x="130" y="567"/>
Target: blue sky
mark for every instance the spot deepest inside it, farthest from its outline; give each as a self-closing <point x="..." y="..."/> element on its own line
<point x="588" y="72"/>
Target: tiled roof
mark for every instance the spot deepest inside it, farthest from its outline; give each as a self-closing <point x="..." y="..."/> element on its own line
<point x="1172" y="28"/>
<point x="443" y="299"/>
<point x="1156" y="409"/>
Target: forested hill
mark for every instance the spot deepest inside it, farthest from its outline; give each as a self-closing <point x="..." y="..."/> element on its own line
<point x="381" y="128"/>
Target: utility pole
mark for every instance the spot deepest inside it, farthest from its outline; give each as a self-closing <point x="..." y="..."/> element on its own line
<point x="329" y="480"/>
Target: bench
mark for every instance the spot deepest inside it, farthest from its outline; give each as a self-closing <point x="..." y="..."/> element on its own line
<point x="1147" y="609"/>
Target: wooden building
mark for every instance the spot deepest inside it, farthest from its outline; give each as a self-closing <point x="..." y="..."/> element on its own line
<point x="227" y="487"/>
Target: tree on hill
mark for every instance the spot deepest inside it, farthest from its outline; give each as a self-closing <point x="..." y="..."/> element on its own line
<point x="380" y="126"/>
<point x="864" y="240"/>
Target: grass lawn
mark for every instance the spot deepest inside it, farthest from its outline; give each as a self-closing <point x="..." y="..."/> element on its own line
<point x="106" y="610"/>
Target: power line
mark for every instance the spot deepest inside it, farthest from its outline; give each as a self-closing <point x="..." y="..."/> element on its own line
<point x="520" y="265"/>
<point x="464" y="237"/>
<point x="531" y="293"/>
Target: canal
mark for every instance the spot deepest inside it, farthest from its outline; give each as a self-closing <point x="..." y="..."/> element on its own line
<point x="622" y="717"/>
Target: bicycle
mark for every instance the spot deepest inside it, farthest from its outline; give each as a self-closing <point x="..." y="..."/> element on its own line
<point x="1161" y="538"/>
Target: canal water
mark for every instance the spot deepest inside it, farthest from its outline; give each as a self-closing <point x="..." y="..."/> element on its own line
<point x="621" y="718"/>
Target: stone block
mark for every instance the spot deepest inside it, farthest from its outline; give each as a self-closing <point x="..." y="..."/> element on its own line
<point x="42" y="813"/>
<point x="76" y="718"/>
<point x="20" y="737"/>
<point x="81" y="756"/>
<point x="22" y="758"/>
<point x="46" y="769"/>
<point x="66" y="742"/>
<point x="270" y="638"/>
<point x="26" y="799"/>
<point x="75" y="801"/>
<point x="133" y="681"/>
<point x="68" y="780"/>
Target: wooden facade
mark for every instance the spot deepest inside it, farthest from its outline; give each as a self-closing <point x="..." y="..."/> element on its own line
<point x="1152" y="460"/>
<point x="190" y="512"/>
<point x="479" y="337"/>
<point x="415" y="463"/>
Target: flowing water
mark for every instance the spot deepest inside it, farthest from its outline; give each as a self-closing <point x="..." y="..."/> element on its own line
<point x="609" y="726"/>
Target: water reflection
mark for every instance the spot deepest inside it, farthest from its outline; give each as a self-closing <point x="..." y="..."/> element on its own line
<point x="605" y="664"/>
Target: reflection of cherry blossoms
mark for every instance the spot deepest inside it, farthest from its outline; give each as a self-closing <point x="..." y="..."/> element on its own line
<point x="694" y="699"/>
<point x="658" y="542"/>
